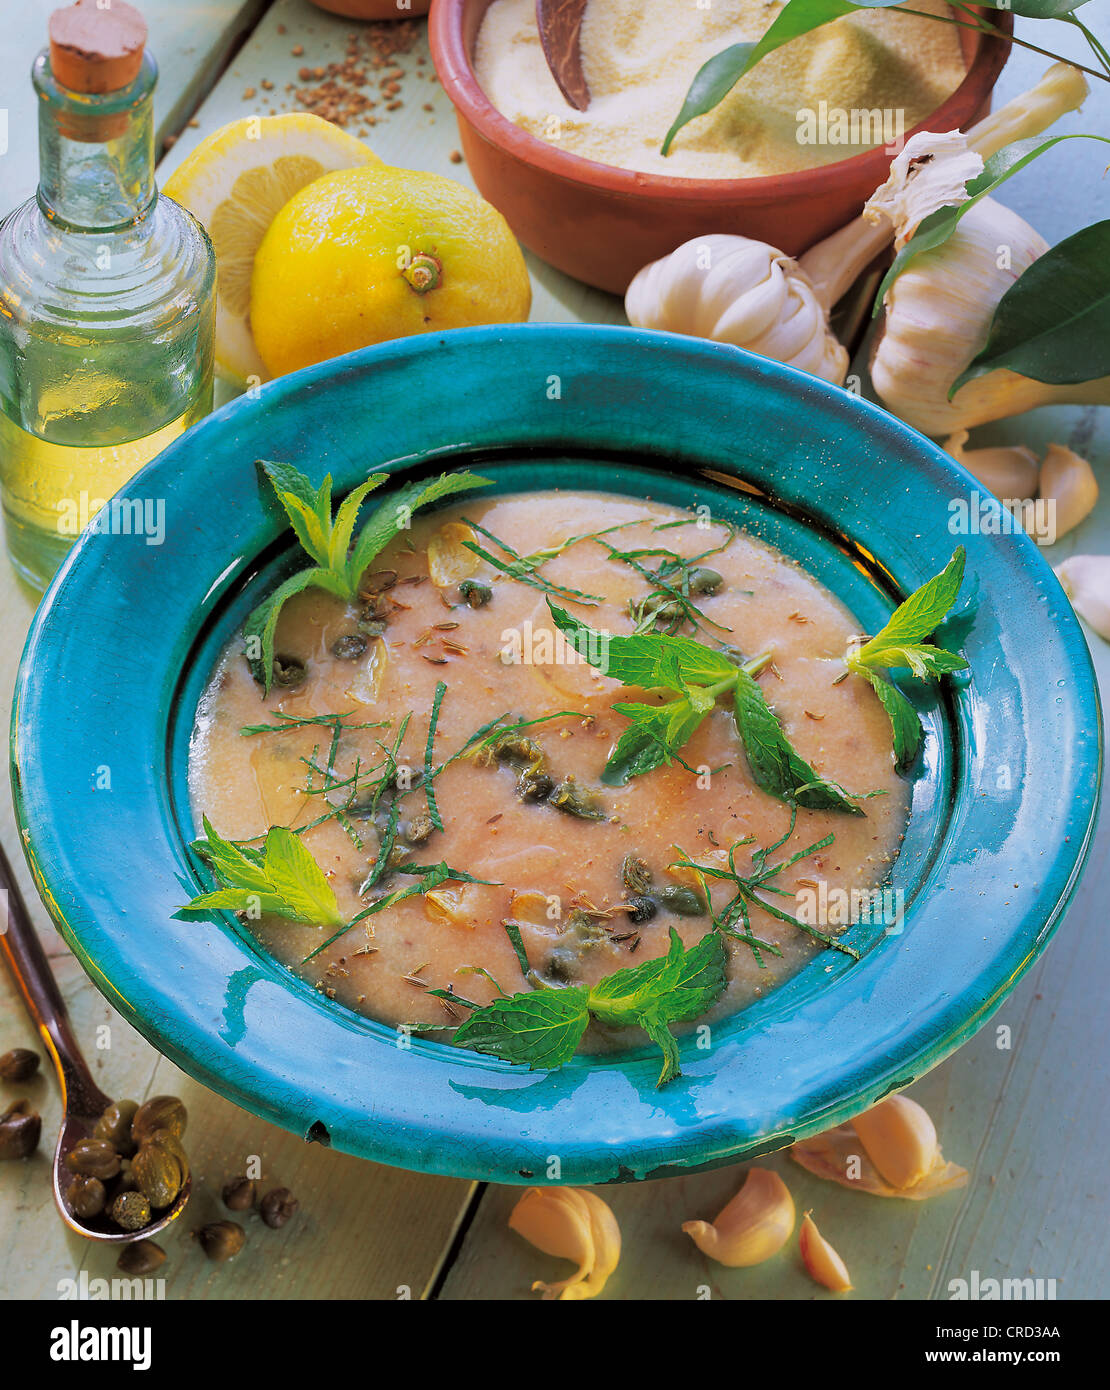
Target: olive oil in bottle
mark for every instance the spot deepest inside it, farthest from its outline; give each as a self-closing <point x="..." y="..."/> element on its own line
<point x="107" y="294"/>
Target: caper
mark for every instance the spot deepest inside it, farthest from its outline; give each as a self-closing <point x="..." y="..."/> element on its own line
<point x="562" y="966"/>
<point x="518" y="748"/>
<point x="277" y="1207"/>
<point x="20" y="1127"/>
<point x="158" y="1172"/>
<point x="641" y="908"/>
<point x="574" y="800"/>
<point x="289" y="671"/>
<point x="239" y="1194"/>
<point x="704" y="581"/>
<point x="140" y="1257"/>
<point x="682" y="900"/>
<point x="473" y="594"/>
<point x="371" y="627"/>
<point x="587" y="927"/>
<point x="635" y="874"/>
<point x="160" y="1112"/>
<point x="656" y="608"/>
<point x="86" y="1198"/>
<point x="534" y="785"/>
<point x="349" y="647"/>
<point x="131" y="1210"/>
<point x="20" y="1064"/>
<point x="221" y="1240"/>
<point x="93" y="1158"/>
<point x="419" y="829"/>
<point x="115" y="1126"/>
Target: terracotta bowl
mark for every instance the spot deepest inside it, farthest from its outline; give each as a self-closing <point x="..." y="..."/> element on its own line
<point x="601" y="224"/>
<point x="373" y="9"/>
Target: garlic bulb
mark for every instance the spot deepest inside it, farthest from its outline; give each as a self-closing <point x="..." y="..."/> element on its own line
<point x="939" y="309"/>
<point x="735" y="290"/>
<point x="1086" y="581"/>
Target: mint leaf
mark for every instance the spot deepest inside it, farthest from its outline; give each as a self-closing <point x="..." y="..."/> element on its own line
<point x="649" y="660"/>
<point x="395" y="515"/>
<point x="622" y="998"/>
<point x="344" y="527"/>
<point x="922" y="661"/>
<point x="262" y="622"/>
<point x="539" y="1029"/>
<point x="700" y="983"/>
<point x="775" y="765"/>
<point x="655" y="1026"/>
<point x="282" y="878"/>
<point x="653" y="739"/>
<point x="920" y="614"/>
<point x="904" y="723"/>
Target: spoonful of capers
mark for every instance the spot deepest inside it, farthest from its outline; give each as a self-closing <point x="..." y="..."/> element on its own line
<point x="120" y="1171"/>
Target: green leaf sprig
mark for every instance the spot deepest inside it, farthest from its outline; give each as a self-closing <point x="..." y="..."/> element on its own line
<point x="541" y="1028"/>
<point x="282" y="878"/>
<point x="717" y="77"/>
<point x="697" y="676"/>
<point x="340" y="560"/>
<point x="901" y="645"/>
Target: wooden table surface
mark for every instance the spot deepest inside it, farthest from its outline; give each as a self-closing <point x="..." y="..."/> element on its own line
<point x="1024" y="1105"/>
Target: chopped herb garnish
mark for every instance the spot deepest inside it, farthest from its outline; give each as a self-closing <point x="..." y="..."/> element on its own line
<point x="902" y="645"/>
<point x="748" y="888"/>
<point x="525" y="568"/>
<point x="340" y="560"/>
<point x="429" y="788"/>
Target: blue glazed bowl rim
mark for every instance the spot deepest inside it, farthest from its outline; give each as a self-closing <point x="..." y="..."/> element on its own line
<point x="448" y="1112"/>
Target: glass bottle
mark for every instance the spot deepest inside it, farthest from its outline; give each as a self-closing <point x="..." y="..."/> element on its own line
<point x="107" y="297"/>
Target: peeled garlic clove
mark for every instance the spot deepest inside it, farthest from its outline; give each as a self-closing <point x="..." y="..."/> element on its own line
<point x="451" y="906"/>
<point x="1069" y="482"/>
<point x="900" y="1139"/>
<point x="1086" y="581"/>
<point x="821" y="1260"/>
<point x="755" y="1225"/>
<point x="571" y="1224"/>
<point x="367" y="683"/>
<point x="449" y="561"/>
<point x="1008" y="470"/>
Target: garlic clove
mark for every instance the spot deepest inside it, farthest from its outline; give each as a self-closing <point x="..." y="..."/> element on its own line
<point x="449" y="560"/>
<point x="571" y="1224"/>
<point x="900" y="1139"/>
<point x="836" y="1155"/>
<point x="821" y="1260"/>
<point x="1086" y="581"/>
<point x="1008" y="470"/>
<point x="1069" y="482"/>
<point x="755" y="1225"/>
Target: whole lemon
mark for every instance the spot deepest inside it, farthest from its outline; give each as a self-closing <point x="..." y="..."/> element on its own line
<point x="364" y="255"/>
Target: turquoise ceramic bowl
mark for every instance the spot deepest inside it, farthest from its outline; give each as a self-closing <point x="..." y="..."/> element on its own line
<point x="1003" y="806"/>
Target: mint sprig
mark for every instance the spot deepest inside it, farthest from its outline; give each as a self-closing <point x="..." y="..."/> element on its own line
<point x="340" y="561"/>
<point x="542" y="1028"/>
<point x="282" y="878"/>
<point x="697" y="676"/>
<point x="901" y="645"/>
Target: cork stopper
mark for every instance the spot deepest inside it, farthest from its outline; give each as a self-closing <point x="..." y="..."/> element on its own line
<point x="96" y="46"/>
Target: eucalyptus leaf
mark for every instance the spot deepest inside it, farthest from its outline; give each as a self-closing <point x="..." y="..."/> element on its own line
<point x="1053" y="323"/>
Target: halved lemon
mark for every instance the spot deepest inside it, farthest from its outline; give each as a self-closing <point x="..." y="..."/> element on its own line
<point x="235" y="183"/>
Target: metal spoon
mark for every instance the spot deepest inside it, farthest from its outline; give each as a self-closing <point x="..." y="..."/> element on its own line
<point x="82" y="1100"/>
<point x="560" y="26"/>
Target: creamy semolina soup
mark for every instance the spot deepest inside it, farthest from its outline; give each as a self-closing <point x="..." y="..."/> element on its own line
<point x="448" y="673"/>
